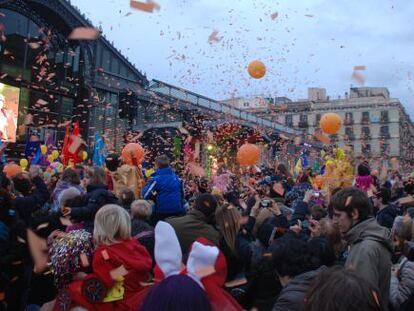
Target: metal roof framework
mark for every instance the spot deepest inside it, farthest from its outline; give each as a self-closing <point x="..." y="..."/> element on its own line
<point x="203" y="102"/>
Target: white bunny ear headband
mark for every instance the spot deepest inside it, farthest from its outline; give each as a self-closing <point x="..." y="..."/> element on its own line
<point x="167" y="252"/>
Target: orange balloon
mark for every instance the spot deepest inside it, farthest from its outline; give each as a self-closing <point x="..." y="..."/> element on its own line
<point x="12" y="169"/>
<point x="248" y="154"/>
<point x="133" y="154"/>
<point x="257" y="69"/>
<point x="330" y="123"/>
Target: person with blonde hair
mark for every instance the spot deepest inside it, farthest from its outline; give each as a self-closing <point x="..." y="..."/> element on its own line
<point x="120" y="265"/>
<point x="140" y="228"/>
<point x="235" y="238"/>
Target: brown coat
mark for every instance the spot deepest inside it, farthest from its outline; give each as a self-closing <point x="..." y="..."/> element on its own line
<point x="192" y="226"/>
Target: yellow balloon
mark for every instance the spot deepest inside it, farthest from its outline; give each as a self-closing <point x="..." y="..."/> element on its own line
<point x="43" y="149"/>
<point x="24" y="163"/>
<point x="55" y="154"/>
<point x="84" y="155"/>
<point x="50" y="158"/>
<point x="149" y="173"/>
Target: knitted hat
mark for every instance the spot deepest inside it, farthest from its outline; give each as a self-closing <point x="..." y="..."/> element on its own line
<point x="206" y="203"/>
<point x="178" y="292"/>
<point x="67" y="194"/>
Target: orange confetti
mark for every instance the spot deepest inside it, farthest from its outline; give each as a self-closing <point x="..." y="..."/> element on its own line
<point x="34" y="45"/>
<point x="148" y="7"/>
<point x="322" y="138"/>
<point x="360" y="67"/>
<point x="214" y="38"/>
<point x="84" y="33"/>
<point x="358" y="78"/>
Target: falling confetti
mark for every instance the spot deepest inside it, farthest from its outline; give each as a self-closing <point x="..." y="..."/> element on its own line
<point x="214" y="38"/>
<point x="358" y="78"/>
<point x="274" y="16"/>
<point x="84" y="33"/>
<point x="148" y="6"/>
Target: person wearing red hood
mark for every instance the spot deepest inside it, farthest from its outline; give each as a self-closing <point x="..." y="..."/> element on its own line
<point x="120" y="266"/>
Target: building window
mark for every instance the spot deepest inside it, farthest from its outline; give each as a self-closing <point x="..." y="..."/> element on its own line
<point x="349" y="118"/>
<point x="385" y="148"/>
<point x="99" y="55"/>
<point x="385" y="131"/>
<point x="289" y="120"/>
<point x="106" y="60"/>
<point x="365" y="132"/>
<point x="384" y="116"/>
<point x="349" y="131"/>
<point x="246" y="104"/>
<point x="365" y="117"/>
<point x="317" y="120"/>
<point x="123" y="70"/>
<point x="366" y="149"/>
<point x="303" y="120"/>
<point x="115" y="66"/>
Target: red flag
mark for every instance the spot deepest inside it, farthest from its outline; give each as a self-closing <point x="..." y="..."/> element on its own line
<point x="76" y="129"/>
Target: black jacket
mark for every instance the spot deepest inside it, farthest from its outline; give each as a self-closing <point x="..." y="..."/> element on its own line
<point x="96" y="197"/>
<point x="292" y="297"/>
<point x="26" y="205"/>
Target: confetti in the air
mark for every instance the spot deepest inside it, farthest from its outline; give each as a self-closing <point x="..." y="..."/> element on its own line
<point x="149" y="6"/>
<point x="214" y="38"/>
<point x="84" y="33"/>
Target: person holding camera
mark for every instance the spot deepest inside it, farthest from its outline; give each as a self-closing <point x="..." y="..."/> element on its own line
<point x="236" y="237"/>
<point x="402" y="276"/>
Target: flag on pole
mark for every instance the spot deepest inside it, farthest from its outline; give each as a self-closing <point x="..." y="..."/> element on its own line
<point x="98" y="158"/>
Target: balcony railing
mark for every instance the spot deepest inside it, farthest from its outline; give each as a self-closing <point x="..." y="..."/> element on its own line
<point x="385" y="135"/>
<point x="348" y="122"/>
<point x="350" y="136"/>
<point x="385" y="120"/>
<point x="365" y="121"/>
<point x="366" y="136"/>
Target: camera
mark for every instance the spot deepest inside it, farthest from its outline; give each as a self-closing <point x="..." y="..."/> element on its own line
<point x="265" y="203"/>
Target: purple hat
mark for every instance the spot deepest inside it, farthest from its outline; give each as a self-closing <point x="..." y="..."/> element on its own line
<point x="177" y="292"/>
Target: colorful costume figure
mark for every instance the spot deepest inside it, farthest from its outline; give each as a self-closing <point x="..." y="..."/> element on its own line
<point x="128" y="176"/>
<point x="119" y="272"/>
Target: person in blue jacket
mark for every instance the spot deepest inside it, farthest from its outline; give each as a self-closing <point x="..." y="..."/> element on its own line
<point x="165" y="188"/>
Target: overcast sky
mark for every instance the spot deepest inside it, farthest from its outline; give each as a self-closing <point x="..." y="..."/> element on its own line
<point x="311" y="43"/>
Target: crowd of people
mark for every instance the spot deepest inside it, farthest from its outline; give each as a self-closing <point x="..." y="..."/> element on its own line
<point x="115" y="238"/>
